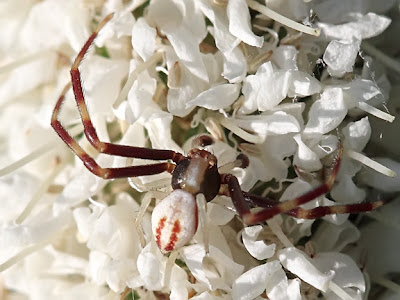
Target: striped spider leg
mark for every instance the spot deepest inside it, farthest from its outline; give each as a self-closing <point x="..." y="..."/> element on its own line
<point x="243" y="200"/>
<point x="317" y="212"/>
<point x="91" y="135"/>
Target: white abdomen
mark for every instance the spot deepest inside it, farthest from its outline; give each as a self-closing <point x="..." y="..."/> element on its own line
<point x="174" y="220"/>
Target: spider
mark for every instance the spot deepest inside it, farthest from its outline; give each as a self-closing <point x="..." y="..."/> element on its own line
<point x="175" y="218"/>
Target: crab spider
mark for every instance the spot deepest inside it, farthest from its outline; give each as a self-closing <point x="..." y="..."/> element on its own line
<point x="175" y="218"/>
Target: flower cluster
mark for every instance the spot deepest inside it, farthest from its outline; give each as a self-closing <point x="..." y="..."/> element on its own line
<point x="282" y="82"/>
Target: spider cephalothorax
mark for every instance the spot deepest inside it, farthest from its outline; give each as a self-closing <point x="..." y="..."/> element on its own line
<point x="198" y="173"/>
<point x="175" y="218"/>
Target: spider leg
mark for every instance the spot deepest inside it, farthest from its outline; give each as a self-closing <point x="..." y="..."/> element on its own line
<point x="250" y="218"/>
<point x="321" y="211"/>
<point x="90" y="131"/>
<point x="317" y="212"/>
<point x="91" y="164"/>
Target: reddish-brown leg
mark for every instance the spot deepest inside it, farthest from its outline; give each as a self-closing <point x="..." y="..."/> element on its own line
<point x="90" y="131"/>
<point x="243" y="200"/>
<point x="317" y="212"/>
<point x="106" y="148"/>
<point x="250" y="218"/>
<point x="90" y="163"/>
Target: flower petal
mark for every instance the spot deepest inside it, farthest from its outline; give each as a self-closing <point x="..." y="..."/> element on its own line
<point x="273" y="91"/>
<point x="347" y="273"/>
<point x="285" y="57"/>
<point x="340" y="56"/>
<point x="149" y="267"/>
<point x="357" y="134"/>
<point x="277" y="123"/>
<point x="143" y="38"/>
<point x="224" y="270"/>
<point x="305" y="158"/>
<point x="299" y="264"/>
<point x="184" y="26"/>
<point x="52" y="23"/>
<point x="268" y="87"/>
<point x="363" y="27"/>
<point x="258" y="249"/>
<point x="217" y="15"/>
<point x="217" y="97"/>
<point x="239" y="23"/>
<point x="280" y="288"/>
<point x="235" y="65"/>
<point x="326" y="113"/>
<point x="257" y="278"/>
<point x="303" y="84"/>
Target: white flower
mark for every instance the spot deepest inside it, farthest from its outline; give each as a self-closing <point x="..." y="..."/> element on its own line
<point x="239" y="23"/>
<point x="188" y="86"/>
<point x="237" y="71"/>
<point x="268" y="159"/>
<point x="217" y="14"/>
<point x="51" y="23"/>
<point x="326" y="113"/>
<point x="347" y="273"/>
<point x="258" y="249"/>
<point x="268" y="87"/>
<point x="140" y="98"/>
<point x="216" y="270"/>
<point x="299" y="264"/>
<point x="235" y="65"/>
<point x="217" y="97"/>
<point x="143" y="39"/>
<point x="285" y="57"/>
<point x="258" y="277"/>
<point x="182" y="21"/>
<point x="102" y="79"/>
<point x="347" y="51"/>
<point x="356" y="135"/>
<point x="269" y="123"/>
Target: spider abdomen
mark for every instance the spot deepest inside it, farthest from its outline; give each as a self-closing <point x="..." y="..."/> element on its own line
<point x="174" y="220"/>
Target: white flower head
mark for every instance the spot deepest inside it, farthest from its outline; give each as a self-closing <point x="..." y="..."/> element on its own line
<point x="272" y="103"/>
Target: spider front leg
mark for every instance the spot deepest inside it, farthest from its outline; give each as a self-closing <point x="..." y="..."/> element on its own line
<point x="250" y="218"/>
<point x="91" y="164"/>
<point x="90" y="131"/>
<point x="102" y="147"/>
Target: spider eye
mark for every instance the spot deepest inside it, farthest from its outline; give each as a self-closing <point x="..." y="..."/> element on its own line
<point x="174" y="220"/>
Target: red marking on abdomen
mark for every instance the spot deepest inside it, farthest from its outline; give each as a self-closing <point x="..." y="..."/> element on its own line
<point x="160" y="226"/>
<point x="174" y="236"/>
